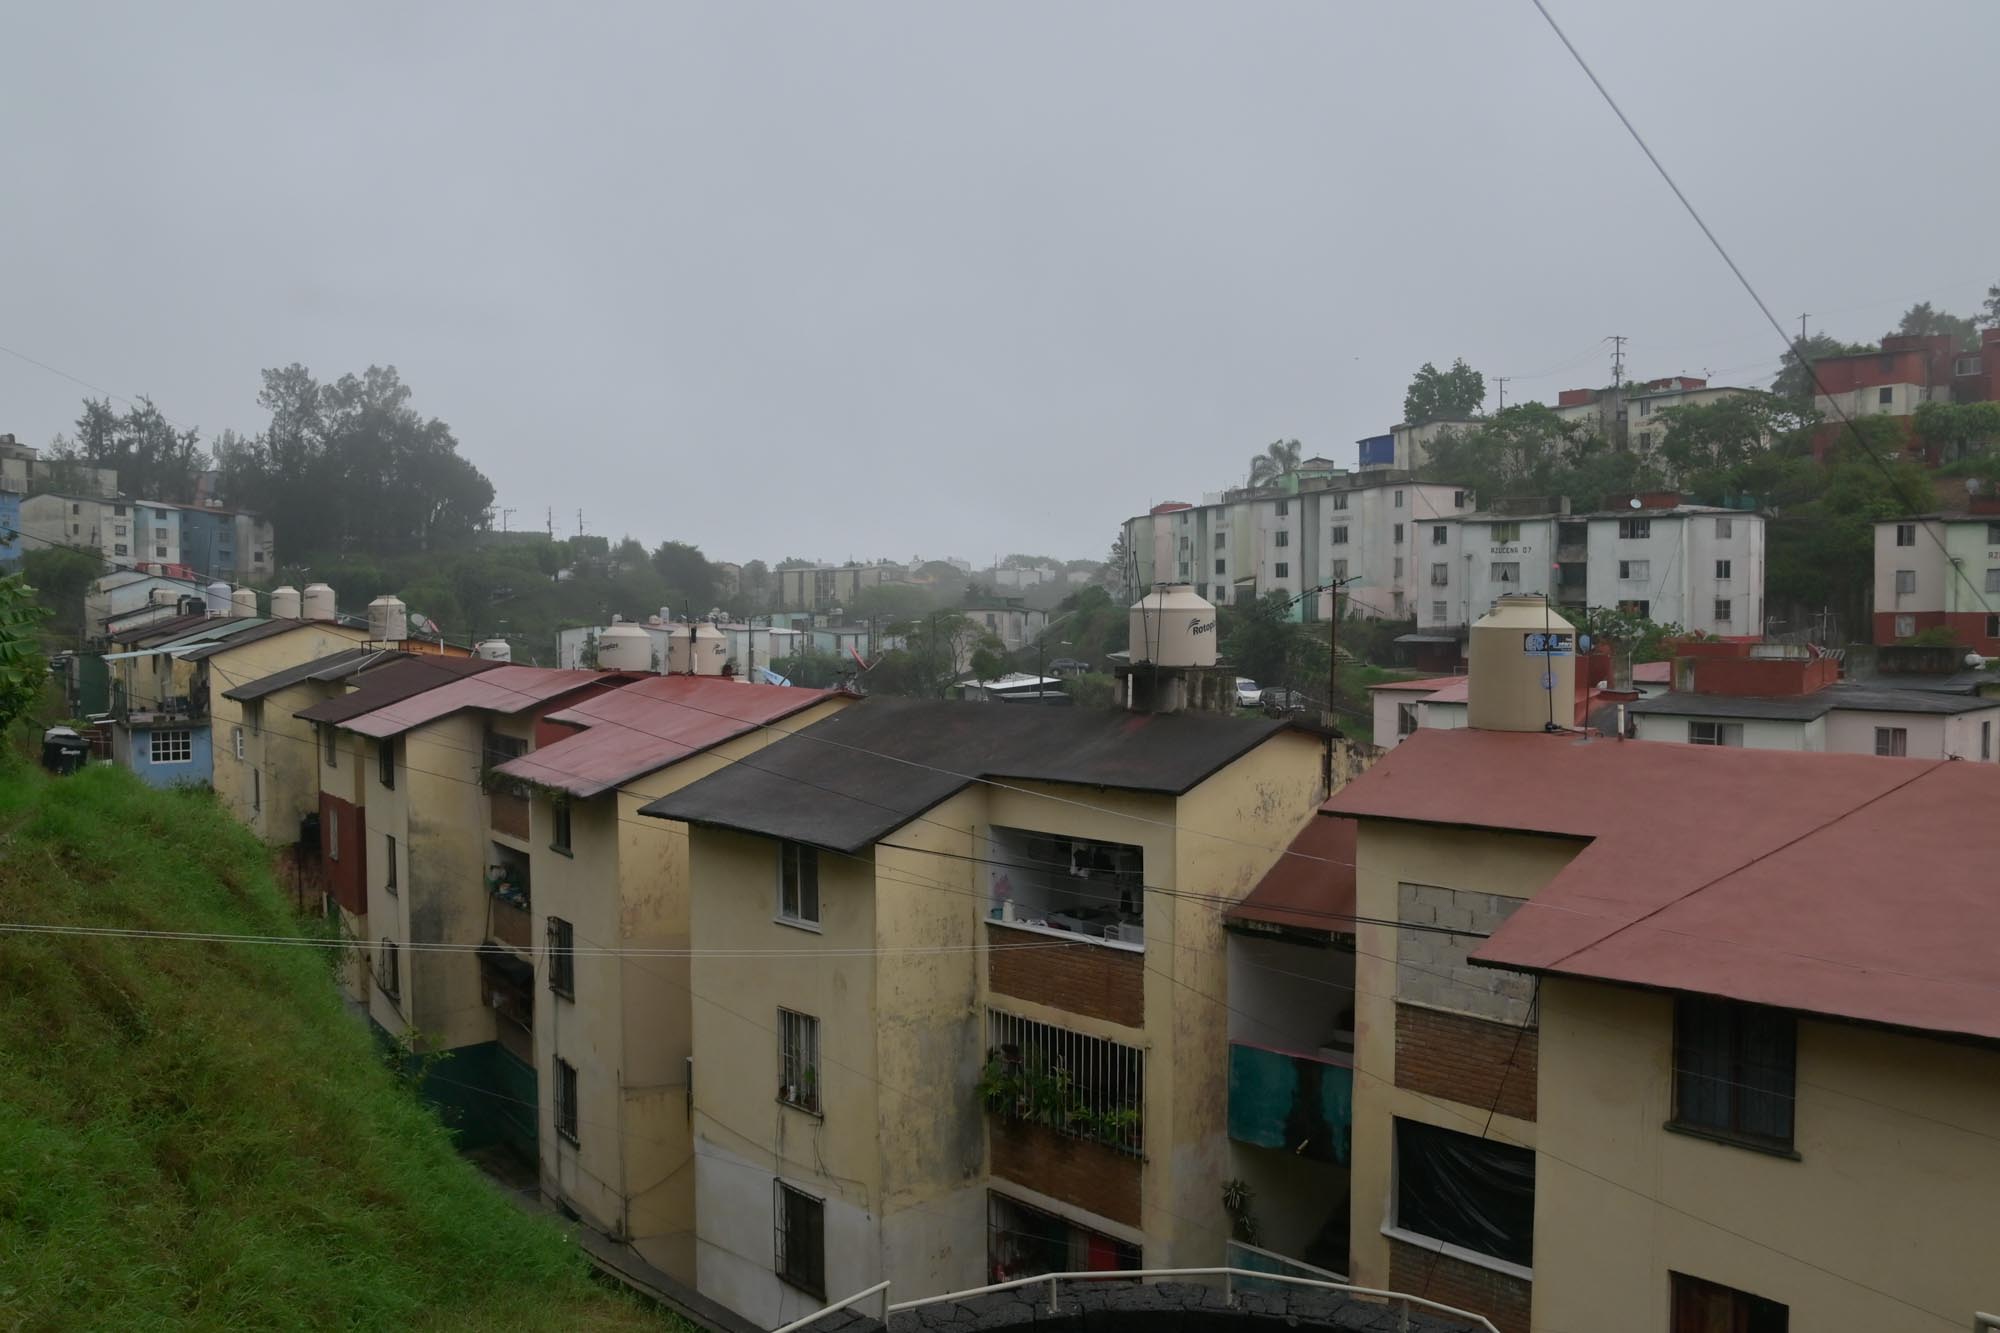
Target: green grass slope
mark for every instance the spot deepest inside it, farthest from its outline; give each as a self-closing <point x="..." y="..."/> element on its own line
<point x="197" y="1135"/>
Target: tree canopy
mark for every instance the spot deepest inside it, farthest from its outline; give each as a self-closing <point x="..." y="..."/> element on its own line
<point x="1920" y="319"/>
<point x="352" y="465"/>
<point x="1795" y="379"/>
<point x="1437" y="395"/>
<point x="156" y="460"/>
<point x="1278" y="458"/>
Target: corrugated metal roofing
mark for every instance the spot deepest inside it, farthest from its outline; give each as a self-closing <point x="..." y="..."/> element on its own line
<point x="384" y="685"/>
<point x="1845" y="885"/>
<point x="849" y="779"/>
<point x="268" y="629"/>
<point x="650" y="724"/>
<point x="333" y="666"/>
<point x="1805" y="707"/>
<point x="1310" y="887"/>
<point x="505" y="689"/>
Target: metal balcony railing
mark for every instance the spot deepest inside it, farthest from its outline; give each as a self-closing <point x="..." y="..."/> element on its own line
<point x="1229" y="1276"/>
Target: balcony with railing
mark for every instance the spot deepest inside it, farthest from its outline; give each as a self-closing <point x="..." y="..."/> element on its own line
<point x="509" y="901"/>
<point x="1301" y="1103"/>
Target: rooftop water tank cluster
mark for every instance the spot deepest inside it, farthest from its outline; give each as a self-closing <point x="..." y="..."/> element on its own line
<point x="1171" y="626"/>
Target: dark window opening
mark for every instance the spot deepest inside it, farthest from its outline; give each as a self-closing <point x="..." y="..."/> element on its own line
<point x="801" y="1240"/>
<point x="1466" y="1191"/>
<point x="1735" y="1070"/>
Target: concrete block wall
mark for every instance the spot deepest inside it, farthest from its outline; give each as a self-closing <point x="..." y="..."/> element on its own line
<point x="1431" y="966"/>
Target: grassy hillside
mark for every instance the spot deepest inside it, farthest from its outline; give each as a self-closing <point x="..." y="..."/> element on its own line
<point x="197" y="1135"/>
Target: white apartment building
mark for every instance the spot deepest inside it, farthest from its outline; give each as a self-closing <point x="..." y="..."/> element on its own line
<point x="1940" y="571"/>
<point x="1695" y="566"/>
<point x="1362" y="528"/>
<point x="1633" y="413"/>
<point x="126" y="532"/>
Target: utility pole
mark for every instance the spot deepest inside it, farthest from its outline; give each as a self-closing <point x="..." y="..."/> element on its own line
<point x="503" y="518"/>
<point x="551" y="521"/>
<point x="579" y="522"/>
<point x="1802" y="330"/>
<point x="1618" y="341"/>
<point x="1332" y="680"/>
<point x="1501" y="381"/>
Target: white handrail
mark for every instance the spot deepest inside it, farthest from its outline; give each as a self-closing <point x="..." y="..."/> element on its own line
<point x="1228" y="1274"/>
<point x="1986" y="1323"/>
<point x="818" y="1315"/>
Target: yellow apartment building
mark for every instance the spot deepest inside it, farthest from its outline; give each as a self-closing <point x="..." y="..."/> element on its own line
<point x="279" y="785"/>
<point x="612" y="1030"/>
<point x="1725" y="1063"/>
<point x="958" y="992"/>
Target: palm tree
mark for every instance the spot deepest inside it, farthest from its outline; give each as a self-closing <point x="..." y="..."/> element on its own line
<point x="1278" y="458"/>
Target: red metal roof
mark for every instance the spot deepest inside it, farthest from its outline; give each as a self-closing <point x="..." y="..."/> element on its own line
<point x="1311" y="887"/>
<point x="1836" y="884"/>
<point x="1653" y="673"/>
<point x="504" y="689"/>
<point x="650" y="724"/>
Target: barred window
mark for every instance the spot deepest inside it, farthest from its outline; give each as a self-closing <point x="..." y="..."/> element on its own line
<point x="1083" y="1086"/>
<point x="562" y="957"/>
<point x="387" y="974"/>
<point x="565" y="1100"/>
<point x="798" y="1060"/>
<point x="800" y="1243"/>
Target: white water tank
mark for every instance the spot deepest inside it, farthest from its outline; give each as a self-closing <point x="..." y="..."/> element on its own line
<point x="494" y="650"/>
<point x="216" y="598"/>
<point x="318" y="602"/>
<point x="285" y="602"/>
<point x="163" y="596"/>
<point x="388" y="619"/>
<point x="1173" y="627"/>
<point x="711" y="650"/>
<point x="243" y="601"/>
<point x="622" y="647"/>
<point x="1520" y="680"/>
<point x="680" y="649"/>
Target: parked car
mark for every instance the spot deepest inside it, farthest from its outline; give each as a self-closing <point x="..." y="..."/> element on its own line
<point x="1248" y="692"/>
<point x="1068" y="666"/>
<point x="1275" y="700"/>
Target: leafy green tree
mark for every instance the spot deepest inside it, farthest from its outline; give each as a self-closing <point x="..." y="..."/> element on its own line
<point x="23" y="671"/>
<point x="1261" y="640"/>
<point x="688" y="575"/>
<point x="1991" y="306"/>
<point x="1921" y="320"/>
<point x="1795" y="381"/>
<point x="1740" y="444"/>
<point x="1958" y="431"/>
<point x="155" y="459"/>
<point x="61" y="576"/>
<point x="1094" y="690"/>
<point x="1527" y="450"/>
<point x="1436" y="395"/>
<point x="1278" y="458"/>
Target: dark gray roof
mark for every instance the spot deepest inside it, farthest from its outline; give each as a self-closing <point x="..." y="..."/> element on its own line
<point x="848" y="780"/>
<point x="333" y="666"/>
<point x="394" y="683"/>
<point x="1806" y="707"/>
<point x="1963" y="682"/>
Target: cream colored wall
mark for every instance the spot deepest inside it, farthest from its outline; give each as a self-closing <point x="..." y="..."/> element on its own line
<point x="285" y="751"/>
<point x="743" y="1135"/>
<point x="628" y="1031"/>
<point x="1232" y="828"/>
<point x="437" y="813"/>
<point x="1506" y="864"/>
<point x="1899" y="1145"/>
<point x="239" y="666"/>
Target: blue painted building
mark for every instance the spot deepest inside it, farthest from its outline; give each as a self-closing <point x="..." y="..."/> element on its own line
<point x="11" y="544"/>
<point x="165" y="751"/>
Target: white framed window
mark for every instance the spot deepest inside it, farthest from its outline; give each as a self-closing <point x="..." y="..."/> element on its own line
<point x="1458" y="499"/>
<point x="1645" y="407"/>
<point x="1399" y="499"/>
<point x="1221" y="540"/>
<point x="1893" y="742"/>
<point x="1338" y="537"/>
<point x="1338" y="569"/>
<point x="1284" y="507"/>
<point x="1906" y="581"/>
<point x="1635" y="571"/>
<point x="798" y="885"/>
<point x="1906" y="626"/>
<point x="1993" y="580"/>
<point x="1993" y="534"/>
<point x="1505" y="534"/>
<point x="1441" y="574"/>
<point x="1634" y="529"/>
<point x="1965" y="365"/>
<point x="1906" y="534"/>
<point x="1282" y="570"/>
<point x="1398" y="537"/>
<point x="1725" y="528"/>
<point x="1396" y="568"/>
<point x="1440" y="534"/>
<point x="1886" y="395"/>
<point x="1716" y="733"/>
<point x="172" y="747"/>
<point x="1340" y="500"/>
<point x="1722" y="568"/>
<point x="1722" y="610"/>
<point x="1283" y="538"/>
<point x="798" y="1060"/>
<point x="1220" y="565"/>
<point x="1506" y="571"/>
<point x="1437" y="613"/>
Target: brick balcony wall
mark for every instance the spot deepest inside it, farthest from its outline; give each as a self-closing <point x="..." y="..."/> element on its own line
<point x="1080" y="1172"/>
<point x="1088" y="979"/>
<point x="1467" y="1059"/>
<point x="1501" y="1297"/>
<point x="509" y="814"/>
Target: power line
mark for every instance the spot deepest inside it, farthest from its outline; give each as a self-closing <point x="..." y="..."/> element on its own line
<point x="1819" y="387"/>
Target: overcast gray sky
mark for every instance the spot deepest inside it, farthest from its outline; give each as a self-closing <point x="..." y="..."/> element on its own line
<point x="871" y="279"/>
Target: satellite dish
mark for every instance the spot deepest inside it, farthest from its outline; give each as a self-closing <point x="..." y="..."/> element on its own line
<point x="1635" y="502"/>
